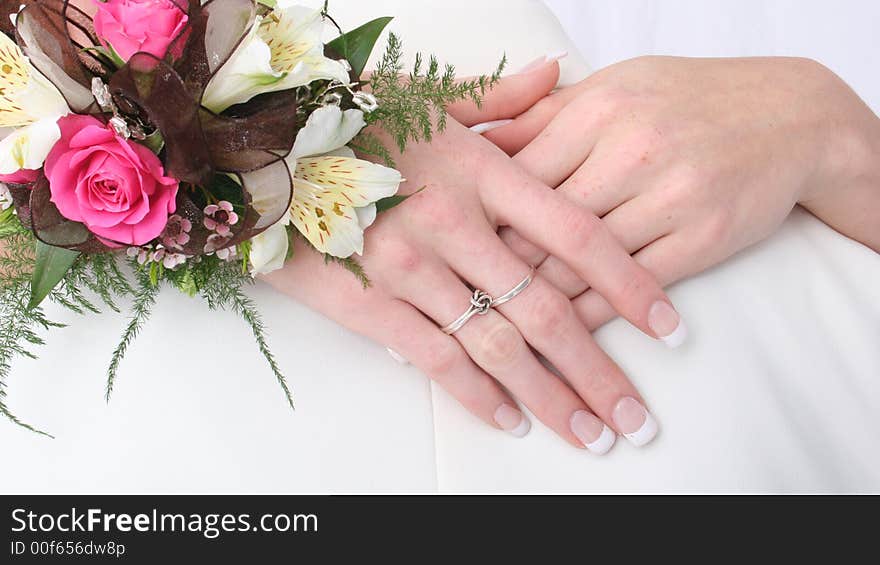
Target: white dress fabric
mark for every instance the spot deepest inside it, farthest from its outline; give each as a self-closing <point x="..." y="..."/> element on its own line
<point x="778" y="389"/>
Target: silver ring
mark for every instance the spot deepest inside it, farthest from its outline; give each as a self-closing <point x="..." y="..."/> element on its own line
<point x="515" y="291"/>
<point x="481" y="303"/>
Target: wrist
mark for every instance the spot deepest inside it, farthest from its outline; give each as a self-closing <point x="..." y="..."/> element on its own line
<point x="848" y="199"/>
<point x="849" y="142"/>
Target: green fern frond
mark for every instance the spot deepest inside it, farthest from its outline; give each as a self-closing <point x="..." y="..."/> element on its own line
<point x="351" y="265"/>
<point x="144" y="299"/>
<point x="411" y="107"/>
<point x="368" y="144"/>
<point x="222" y="290"/>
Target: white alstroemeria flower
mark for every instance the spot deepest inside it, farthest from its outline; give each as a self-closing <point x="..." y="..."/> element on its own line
<point x="30" y="103"/>
<point x="269" y="249"/>
<point x="282" y="51"/>
<point x="334" y="193"/>
<point x="5" y="197"/>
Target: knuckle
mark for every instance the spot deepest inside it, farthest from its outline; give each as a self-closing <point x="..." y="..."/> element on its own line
<point x="550" y="313"/>
<point x="719" y="227"/>
<point x="615" y="102"/>
<point x="443" y="214"/>
<point x="684" y="184"/>
<point x="399" y="256"/>
<point x="500" y="345"/>
<point x="441" y="358"/>
<point x="642" y="146"/>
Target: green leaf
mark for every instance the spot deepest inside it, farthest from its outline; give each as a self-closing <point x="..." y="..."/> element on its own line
<point x="7" y="215"/>
<point x="357" y="45"/>
<point x="386" y="204"/>
<point x="268" y="3"/>
<point x="51" y="266"/>
<point x="291" y="242"/>
<point x="187" y="284"/>
<point x="154" y="142"/>
<point x="224" y="187"/>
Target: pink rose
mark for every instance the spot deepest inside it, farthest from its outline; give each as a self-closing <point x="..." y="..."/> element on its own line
<point x="133" y="26"/>
<point x="117" y="188"/>
<point x="24" y="176"/>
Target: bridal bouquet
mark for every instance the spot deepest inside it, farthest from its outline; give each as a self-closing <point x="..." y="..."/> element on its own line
<point x="183" y="143"/>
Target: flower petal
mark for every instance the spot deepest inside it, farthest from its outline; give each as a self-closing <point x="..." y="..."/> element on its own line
<point x="330" y="226"/>
<point x="247" y="73"/>
<point x="26" y="96"/>
<point x="269" y="249"/>
<point x="28" y="147"/>
<point x="294" y="35"/>
<point x="366" y="215"/>
<point x="328" y="129"/>
<point x="352" y="182"/>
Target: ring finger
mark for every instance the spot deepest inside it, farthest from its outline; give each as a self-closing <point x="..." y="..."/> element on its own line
<point x="546" y="319"/>
<point x="498" y="348"/>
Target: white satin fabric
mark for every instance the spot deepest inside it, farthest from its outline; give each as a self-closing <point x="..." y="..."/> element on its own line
<point x="777" y="390"/>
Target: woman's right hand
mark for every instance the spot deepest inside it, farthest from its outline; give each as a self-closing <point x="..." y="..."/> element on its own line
<point x="418" y="255"/>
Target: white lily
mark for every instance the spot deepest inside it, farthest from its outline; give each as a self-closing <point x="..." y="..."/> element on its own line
<point x="282" y="51"/>
<point x="334" y="193"/>
<point x="32" y="105"/>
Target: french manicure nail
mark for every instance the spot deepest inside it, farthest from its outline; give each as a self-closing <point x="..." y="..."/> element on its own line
<point x="489" y="126"/>
<point x="592" y="432"/>
<point x="665" y="322"/>
<point x="634" y="421"/>
<point x="541" y="61"/>
<point x="512" y="420"/>
<point x="397" y="356"/>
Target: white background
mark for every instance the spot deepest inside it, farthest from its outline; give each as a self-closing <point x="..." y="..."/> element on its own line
<point x="842" y="34"/>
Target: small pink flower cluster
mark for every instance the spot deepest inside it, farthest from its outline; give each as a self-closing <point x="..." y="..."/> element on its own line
<point x="219" y="218"/>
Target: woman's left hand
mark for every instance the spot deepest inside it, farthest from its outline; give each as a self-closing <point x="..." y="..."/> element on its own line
<point x="690" y="160"/>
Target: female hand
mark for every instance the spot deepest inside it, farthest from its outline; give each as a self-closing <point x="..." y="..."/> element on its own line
<point x="417" y="256"/>
<point x="690" y="160"/>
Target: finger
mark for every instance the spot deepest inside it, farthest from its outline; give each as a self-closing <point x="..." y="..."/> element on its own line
<point x="583" y="242"/>
<point x="408" y="333"/>
<point x="403" y="329"/>
<point x="547" y="321"/>
<point x="671" y="259"/>
<point x="497" y="347"/>
<point x="527" y="251"/>
<point x="605" y="180"/>
<point x="635" y="224"/>
<point x="565" y="143"/>
<point x="510" y="97"/>
<point x="514" y="135"/>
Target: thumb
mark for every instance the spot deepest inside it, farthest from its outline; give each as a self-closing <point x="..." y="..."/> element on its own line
<point x="511" y="96"/>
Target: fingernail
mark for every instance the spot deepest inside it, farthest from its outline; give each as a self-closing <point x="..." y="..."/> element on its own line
<point x="634" y="421"/>
<point x="489" y="126"/>
<point x="397" y="356"/>
<point x="667" y="324"/>
<point x="593" y="433"/>
<point x="541" y="61"/>
<point x="512" y="420"/>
